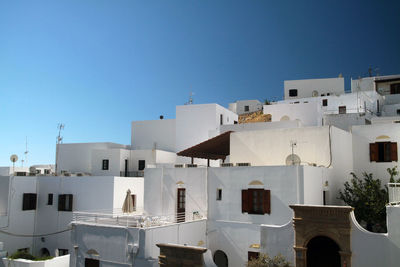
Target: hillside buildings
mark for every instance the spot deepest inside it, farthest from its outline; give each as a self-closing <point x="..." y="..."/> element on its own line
<point x="204" y="180"/>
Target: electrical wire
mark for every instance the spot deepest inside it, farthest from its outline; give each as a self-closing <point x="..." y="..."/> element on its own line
<point x="19" y="235"/>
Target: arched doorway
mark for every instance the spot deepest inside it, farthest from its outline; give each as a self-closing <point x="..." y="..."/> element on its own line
<point x="322" y="251"/>
<point x="44" y="252"/>
<point x="220" y="258"/>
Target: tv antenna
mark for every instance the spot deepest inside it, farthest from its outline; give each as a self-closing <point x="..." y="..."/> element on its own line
<point x="13" y="159"/>
<point x="190" y="102"/>
<point x="26" y="152"/>
<point x="60" y="127"/>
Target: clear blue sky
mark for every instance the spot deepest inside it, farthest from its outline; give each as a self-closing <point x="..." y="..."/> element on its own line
<point x="97" y="65"/>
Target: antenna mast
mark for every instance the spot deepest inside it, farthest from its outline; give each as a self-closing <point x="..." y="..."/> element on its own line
<point x="60" y="127"/>
<point x="26" y="152"/>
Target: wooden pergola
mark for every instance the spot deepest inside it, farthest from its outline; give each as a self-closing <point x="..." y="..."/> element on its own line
<point x="215" y="148"/>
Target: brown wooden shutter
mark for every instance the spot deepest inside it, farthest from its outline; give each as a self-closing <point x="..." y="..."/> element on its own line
<point x="245" y="201"/>
<point x="267" y="201"/>
<point x="373" y="152"/>
<point x="393" y="151"/>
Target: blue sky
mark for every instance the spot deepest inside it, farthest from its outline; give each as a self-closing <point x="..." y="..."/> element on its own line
<point x="97" y="65"/>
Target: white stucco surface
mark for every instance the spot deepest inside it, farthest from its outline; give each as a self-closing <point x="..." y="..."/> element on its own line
<point x="62" y="261"/>
<point x="305" y="88"/>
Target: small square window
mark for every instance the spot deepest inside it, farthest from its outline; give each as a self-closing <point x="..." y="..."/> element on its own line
<point x="65" y="202"/>
<point x="142" y="165"/>
<point x="50" y="199"/>
<point x="398" y="112"/>
<point x="324" y="102"/>
<point x="293" y="92"/>
<point x="253" y="255"/>
<point x="342" y="110"/>
<point x="105" y="164"/>
<point x="219" y="194"/>
<point x="246" y="108"/>
<point x="29" y="201"/>
<point x="62" y="251"/>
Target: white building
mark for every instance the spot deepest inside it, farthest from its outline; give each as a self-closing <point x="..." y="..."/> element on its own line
<point x="245" y="106"/>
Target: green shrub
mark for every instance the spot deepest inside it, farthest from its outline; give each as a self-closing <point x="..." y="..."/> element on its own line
<point x="27" y="256"/>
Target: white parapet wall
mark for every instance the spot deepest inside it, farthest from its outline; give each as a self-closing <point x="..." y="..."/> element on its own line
<point x="62" y="261"/>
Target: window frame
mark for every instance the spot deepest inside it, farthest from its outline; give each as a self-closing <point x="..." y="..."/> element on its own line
<point x="293" y="92"/>
<point x="50" y="199"/>
<point x="342" y="110"/>
<point x="256" y="201"/>
<point x="219" y="194"/>
<point x="383" y="152"/>
<point x="29" y="201"/>
<point x="63" y="205"/>
<point x="105" y="165"/>
<point x="324" y="102"/>
<point x="246" y="108"/>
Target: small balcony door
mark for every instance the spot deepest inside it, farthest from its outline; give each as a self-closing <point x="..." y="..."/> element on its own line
<point x="181" y="205"/>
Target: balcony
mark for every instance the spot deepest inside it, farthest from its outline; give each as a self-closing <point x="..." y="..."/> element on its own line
<point x="135" y="219"/>
<point x="394" y="193"/>
<point x="132" y="174"/>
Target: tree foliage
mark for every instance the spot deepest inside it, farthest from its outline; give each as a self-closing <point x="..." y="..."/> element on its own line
<point x="264" y="260"/>
<point x="369" y="199"/>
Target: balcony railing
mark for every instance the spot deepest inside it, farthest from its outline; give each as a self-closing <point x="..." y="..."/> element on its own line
<point x="135" y="220"/>
<point x="132" y="174"/>
<point x="394" y="193"/>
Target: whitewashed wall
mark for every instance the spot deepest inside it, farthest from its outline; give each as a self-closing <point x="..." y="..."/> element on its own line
<point x="239" y="106"/>
<point x="271" y="147"/>
<point x="161" y="187"/>
<point x="77" y="157"/>
<point x="259" y="126"/>
<point x="154" y="134"/>
<point x="278" y="239"/>
<point x="306" y="87"/>
<point x="362" y="137"/>
<point x="309" y="114"/>
<point x="18" y="221"/>
<point x="62" y="261"/>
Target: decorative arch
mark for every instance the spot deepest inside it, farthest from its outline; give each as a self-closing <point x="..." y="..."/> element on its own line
<point x="382" y="137"/>
<point x="285" y="118"/>
<point x="256" y="182"/>
<point x="328" y="221"/>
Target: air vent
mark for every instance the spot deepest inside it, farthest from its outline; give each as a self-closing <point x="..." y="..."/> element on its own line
<point x="243" y="164"/>
<point x="191" y="165"/>
<point x="226" y="164"/>
<point x="178" y="165"/>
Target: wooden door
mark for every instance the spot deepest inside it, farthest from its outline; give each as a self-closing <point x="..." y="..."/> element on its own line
<point x="181" y="205"/>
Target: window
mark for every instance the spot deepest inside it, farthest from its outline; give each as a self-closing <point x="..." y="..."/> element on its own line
<point x="293" y="92"/>
<point x="246" y="108"/>
<point x="47" y="171"/>
<point x="324" y="102"/>
<point x="29" y="201"/>
<point x="92" y="262"/>
<point x="65" y="202"/>
<point x="252" y="255"/>
<point x="256" y="201"/>
<point x="398" y="112"/>
<point x="50" y="199"/>
<point x="62" y="252"/>
<point x="328" y="94"/>
<point x="322" y="94"/>
<point x="395" y="88"/>
<point x="219" y="194"/>
<point x="105" y="164"/>
<point x="342" y="110"/>
<point x="142" y="165"/>
<point x="383" y="151"/>
<point x="221" y="119"/>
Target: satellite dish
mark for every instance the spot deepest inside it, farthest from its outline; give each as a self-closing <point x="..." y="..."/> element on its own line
<point x="293" y="159"/>
<point x="14" y="158"/>
<point x="315" y="93"/>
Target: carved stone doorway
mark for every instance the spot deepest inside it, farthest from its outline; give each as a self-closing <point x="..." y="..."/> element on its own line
<point x="322" y="235"/>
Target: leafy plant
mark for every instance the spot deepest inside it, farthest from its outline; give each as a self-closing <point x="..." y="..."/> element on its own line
<point x="28" y="256"/>
<point x="264" y="260"/>
<point x="369" y="199"/>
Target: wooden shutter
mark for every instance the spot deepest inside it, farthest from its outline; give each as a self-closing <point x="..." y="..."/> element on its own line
<point x="373" y="152"/>
<point x="61" y="202"/>
<point x="245" y="201"/>
<point x="393" y="151"/>
<point x="267" y="201"/>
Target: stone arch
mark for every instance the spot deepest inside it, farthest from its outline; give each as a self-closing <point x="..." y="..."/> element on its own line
<point x="333" y="222"/>
<point x="220" y="258"/>
<point x="323" y="251"/>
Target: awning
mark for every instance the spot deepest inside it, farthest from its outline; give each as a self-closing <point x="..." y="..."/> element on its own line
<point x="214" y="148"/>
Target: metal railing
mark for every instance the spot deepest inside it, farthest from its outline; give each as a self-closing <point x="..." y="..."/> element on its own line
<point x="394" y="193"/>
<point x="132" y="174"/>
<point x="135" y="220"/>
